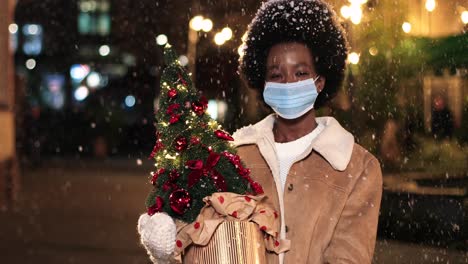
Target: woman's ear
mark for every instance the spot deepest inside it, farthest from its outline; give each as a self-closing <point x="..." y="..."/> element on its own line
<point x="320" y="83"/>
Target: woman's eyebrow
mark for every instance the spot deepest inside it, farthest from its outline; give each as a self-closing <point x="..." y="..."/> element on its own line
<point x="273" y="67"/>
<point x="302" y="64"/>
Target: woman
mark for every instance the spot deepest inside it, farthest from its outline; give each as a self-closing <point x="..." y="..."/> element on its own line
<point x="327" y="188"/>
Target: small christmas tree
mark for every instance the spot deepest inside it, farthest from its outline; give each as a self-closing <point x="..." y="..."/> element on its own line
<point x="193" y="156"/>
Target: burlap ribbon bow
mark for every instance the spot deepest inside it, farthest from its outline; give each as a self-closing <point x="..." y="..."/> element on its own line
<point x="225" y="206"/>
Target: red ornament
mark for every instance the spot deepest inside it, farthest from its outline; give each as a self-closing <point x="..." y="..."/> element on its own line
<point x="223" y="135"/>
<point x="199" y="170"/>
<point x="156" y="175"/>
<point x="196" y="225"/>
<point x="179" y="201"/>
<point x="247" y="198"/>
<point x="172" y="93"/>
<point x="200" y="106"/>
<point x="195" y="140"/>
<point x="181" y="79"/>
<point x="157" y="146"/>
<point x="157" y="207"/>
<point x="174" y="175"/>
<point x="169" y="185"/>
<point x="171" y="109"/>
<point x="174" y="118"/>
<point x="180" y="143"/>
<point x="263" y="228"/>
<point x="221" y="199"/>
<point x="256" y="187"/>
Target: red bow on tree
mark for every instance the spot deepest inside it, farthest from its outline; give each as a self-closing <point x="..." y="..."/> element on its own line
<point x="199" y="170"/>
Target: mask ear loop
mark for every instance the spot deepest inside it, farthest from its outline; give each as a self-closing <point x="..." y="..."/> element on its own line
<point x="318" y="76"/>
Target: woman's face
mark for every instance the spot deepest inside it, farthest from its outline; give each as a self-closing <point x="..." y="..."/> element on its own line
<point x="291" y="62"/>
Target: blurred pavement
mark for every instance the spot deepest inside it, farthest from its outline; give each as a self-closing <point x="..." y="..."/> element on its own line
<point x="86" y="212"/>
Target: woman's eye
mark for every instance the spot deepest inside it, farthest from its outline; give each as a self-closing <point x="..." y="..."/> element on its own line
<point x="274" y="76"/>
<point x="302" y="73"/>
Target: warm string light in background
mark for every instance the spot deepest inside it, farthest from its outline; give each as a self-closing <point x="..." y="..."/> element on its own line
<point x="353" y="11"/>
<point x="224" y="35"/>
<point x="464" y="17"/>
<point x="406" y="27"/>
<point x="199" y="23"/>
<point x="430" y="5"/>
<point x="353" y="58"/>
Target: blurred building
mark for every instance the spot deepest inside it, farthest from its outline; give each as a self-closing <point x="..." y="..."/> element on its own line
<point x="88" y="69"/>
<point x="8" y="171"/>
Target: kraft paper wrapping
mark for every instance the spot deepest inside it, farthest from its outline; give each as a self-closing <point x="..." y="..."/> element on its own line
<point x="227" y="207"/>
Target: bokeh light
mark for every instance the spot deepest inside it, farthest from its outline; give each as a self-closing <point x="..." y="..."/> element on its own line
<point x="130" y="100"/>
<point x="430" y="5"/>
<point x="353" y="58"/>
<point x="406" y="27"/>
<point x="31" y="64"/>
<point x="161" y="40"/>
<point x="196" y="23"/>
<point x="104" y="50"/>
<point x="207" y="25"/>
<point x="81" y="93"/>
<point x="13" y="28"/>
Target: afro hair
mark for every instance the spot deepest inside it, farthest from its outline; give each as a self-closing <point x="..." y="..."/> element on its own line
<point x="311" y="22"/>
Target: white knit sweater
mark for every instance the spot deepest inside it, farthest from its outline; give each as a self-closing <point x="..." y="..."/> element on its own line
<point x="288" y="152"/>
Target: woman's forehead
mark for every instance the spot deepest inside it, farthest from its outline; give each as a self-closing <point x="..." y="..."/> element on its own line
<point x="296" y="54"/>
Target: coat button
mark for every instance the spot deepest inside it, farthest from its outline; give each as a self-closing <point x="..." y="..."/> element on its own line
<point x="286" y="228"/>
<point x="290" y="187"/>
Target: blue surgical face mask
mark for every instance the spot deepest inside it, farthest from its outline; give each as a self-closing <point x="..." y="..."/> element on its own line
<point x="291" y="100"/>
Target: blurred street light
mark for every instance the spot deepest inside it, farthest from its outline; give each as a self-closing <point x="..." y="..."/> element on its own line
<point x="464" y="17"/>
<point x="227" y="33"/>
<point x="406" y="27"/>
<point x="196" y="24"/>
<point x="223" y="36"/>
<point x="430" y="5"/>
<point x="219" y="39"/>
<point x="207" y="25"/>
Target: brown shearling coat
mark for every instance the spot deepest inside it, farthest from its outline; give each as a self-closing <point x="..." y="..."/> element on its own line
<point x="331" y="200"/>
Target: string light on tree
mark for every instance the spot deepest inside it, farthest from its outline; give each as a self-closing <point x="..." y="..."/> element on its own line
<point x="192" y="153"/>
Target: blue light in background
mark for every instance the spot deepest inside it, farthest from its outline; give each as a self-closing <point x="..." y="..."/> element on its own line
<point x="79" y="71"/>
<point x="130" y="100"/>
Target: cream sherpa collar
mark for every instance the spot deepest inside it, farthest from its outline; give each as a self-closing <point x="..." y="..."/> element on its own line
<point x="334" y="143"/>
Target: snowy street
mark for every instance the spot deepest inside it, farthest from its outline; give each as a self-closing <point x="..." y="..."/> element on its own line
<point x="86" y="213"/>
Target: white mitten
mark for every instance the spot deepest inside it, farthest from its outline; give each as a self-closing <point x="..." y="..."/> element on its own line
<point x="158" y="234"/>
